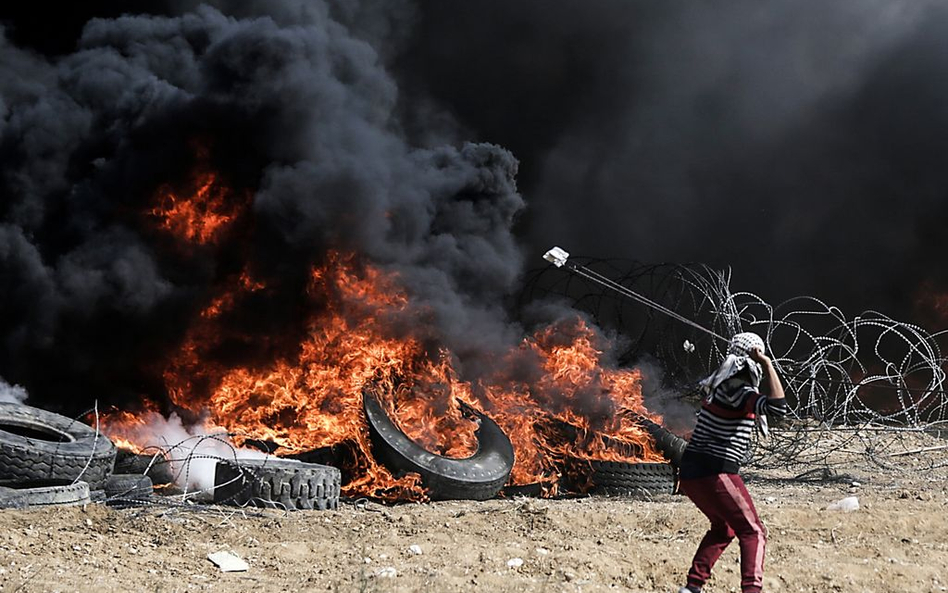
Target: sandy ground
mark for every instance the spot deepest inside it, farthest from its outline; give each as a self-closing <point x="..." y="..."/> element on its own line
<point x="896" y="541"/>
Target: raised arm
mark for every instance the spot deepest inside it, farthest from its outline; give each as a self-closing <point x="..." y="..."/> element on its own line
<point x="776" y="387"/>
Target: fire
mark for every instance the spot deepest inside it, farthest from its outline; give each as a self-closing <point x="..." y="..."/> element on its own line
<point x="313" y="400"/>
<point x="577" y="409"/>
<point x="555" y="395"/>
<point x="199" y="212"/>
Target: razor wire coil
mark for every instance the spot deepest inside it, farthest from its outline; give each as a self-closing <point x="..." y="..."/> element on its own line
<point x="867" y="373"/>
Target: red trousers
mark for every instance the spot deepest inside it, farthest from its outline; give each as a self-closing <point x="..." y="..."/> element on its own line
<point x="724" y="499"/>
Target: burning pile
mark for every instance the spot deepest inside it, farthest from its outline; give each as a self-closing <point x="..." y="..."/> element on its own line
<point x="228" y="215"/>
<point x="554" y="394"/>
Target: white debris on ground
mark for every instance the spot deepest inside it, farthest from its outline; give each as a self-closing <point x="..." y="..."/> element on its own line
<point x="846" y="505"/>
<point x="228" y="561"/>
<point x="387" y="572"/>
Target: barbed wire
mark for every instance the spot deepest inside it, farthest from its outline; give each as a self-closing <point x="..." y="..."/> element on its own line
<point x="870" y="373"/>
<point x="182" y="456"/>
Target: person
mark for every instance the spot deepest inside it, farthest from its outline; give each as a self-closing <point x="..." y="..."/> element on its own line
<point x="732" y="409"/>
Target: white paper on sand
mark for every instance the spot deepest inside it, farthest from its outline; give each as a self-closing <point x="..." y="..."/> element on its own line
<point x="228" y="562"/>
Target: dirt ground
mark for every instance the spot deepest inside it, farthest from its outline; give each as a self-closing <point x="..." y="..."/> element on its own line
<point x="896" y="541"/>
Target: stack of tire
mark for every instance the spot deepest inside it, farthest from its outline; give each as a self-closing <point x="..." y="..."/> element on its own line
<point x="49" y="459"/>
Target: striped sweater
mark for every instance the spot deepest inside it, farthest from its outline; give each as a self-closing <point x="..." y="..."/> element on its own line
<point x="722" y="436"/>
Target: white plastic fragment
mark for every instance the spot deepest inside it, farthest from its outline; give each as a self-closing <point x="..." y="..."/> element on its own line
<point x="556" y="256"/>
<point x="846" y="505"/>
<point x="542" y="551"/>
<point x="414" y="549"/>
<point x="387" y="572"/>
<point x="228" y="562"/>
<point x="515" y="563"/>
<point x="688" y="346"/>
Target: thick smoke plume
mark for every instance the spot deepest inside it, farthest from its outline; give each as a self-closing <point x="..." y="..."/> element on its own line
<point x="292" y="105"/>
<point x="802" y="143"/>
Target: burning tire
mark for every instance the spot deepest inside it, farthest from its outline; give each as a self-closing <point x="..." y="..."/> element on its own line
<point x="671" y="445"/>
<point x="478" y="477"/>
<point x="65" y="494"/>
<point x="612" y="478"/>
<point x="38" y="447"/>
<point x="278" y="483"/>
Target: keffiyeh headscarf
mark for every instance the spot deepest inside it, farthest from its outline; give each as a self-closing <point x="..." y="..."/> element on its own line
<point x="737" y="359"/>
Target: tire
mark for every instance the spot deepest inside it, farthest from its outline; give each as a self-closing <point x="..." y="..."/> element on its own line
<point x="668" y="443"/>
<point x="277" y="483"/>
<point x="155" y="467"/>
<point x="125" y="489"/>
<point x="613" y="478"/>
<point x="478" y="477"/>
<point x="63" y="495"/>
<point x="38" y="447"/>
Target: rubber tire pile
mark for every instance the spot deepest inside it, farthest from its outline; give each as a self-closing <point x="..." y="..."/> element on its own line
<point x="484" y="474"/>
<point x="46" y="459"/>
<point x="643" y="480"/>
<point x="49" y="459"/>
<point x="37" y="446"/>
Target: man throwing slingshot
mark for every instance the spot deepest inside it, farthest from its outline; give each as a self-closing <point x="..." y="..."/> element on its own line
<point x="710" y="466"/>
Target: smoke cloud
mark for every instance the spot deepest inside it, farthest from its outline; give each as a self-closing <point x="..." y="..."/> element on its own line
<point x="296" y="109"/>
<point x="191" y="451"/>
<point x="801" y="143"/>
<point x="13" y="394"/>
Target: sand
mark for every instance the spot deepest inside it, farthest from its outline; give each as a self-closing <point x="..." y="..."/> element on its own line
<point x="896" y="541"/>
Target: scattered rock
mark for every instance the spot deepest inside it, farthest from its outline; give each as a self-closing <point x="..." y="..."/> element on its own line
<point x="414" y="549"/>
<point x="515" y="563"/>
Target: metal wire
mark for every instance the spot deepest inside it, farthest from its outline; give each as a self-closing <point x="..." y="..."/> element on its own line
<point x="869" y="373"/>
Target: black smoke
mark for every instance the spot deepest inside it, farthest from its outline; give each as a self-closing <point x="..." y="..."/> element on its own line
<point x="802" y="143"/>
<point x="292" y="103"/>
<point x="798" y="142"/>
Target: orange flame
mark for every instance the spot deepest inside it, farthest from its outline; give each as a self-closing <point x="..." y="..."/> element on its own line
<point x="202" y="210"/>
<point x="555" y="395"/>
